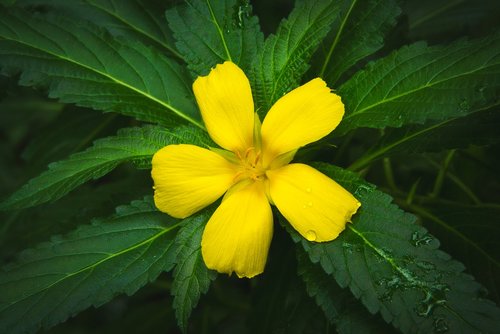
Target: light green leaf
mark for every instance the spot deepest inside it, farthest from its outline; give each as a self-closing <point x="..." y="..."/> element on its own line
<point x="87" y="267"/>
<point x="480" y="128"/>
<point x="210" y="32"/>
<point x="135" y="145"/>
<point x="419" y="83"/>
<point x="358" y="32"/>
<point x="285" y="57"/>
<point x="191" y="276"/>
<point x="141" y="20"/>
<point x="394" y="267"/>
<point x="338" y="305"/>
<point x="81" y="64"/>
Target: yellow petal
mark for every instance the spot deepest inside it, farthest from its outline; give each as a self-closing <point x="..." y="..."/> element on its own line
<point x="304" y="115"/>
<point x="316" y="206"/>
<point x="238" y="235"/>
<point x="225" y="100"/>
<point x="187" y="178"/>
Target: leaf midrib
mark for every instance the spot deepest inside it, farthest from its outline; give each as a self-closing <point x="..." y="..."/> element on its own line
<point x="138" y="29"/>
<point x="110" y="77"/>
<point x="94" y="265"/>
<point x="425" y="86"/>
<point x="404" y="273"/>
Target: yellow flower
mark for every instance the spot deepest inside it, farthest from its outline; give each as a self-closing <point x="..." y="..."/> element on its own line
<point x="253" y="170"/>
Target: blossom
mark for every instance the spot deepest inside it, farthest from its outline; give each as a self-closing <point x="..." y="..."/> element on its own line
<point x="252" y="170"/>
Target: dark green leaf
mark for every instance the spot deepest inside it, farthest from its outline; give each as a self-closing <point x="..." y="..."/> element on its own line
<point x="133" y="144"/>
<point x="280" y="302"/>
<point x="394" y="267"/>
<point x="285" y="57"/>
<point x="191" y="276"/>
<point x="141" y="20"/>
<point x="210" y="32"/>
<point x="339" y="306"/>
<point x="83" y="65"/>
<point x="480" y="128"/>
<point x="87" y="267"/>
<point x="358" y="32"/>
<point x="419" y="83"/>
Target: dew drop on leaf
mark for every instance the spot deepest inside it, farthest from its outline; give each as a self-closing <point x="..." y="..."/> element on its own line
<point x="440" y="325"/>
<point x="363" y="190"/>
<point x="464" y="105"/>
<point x="420" y="240"/>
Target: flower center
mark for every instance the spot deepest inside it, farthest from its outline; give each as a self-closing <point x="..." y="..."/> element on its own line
<point x="250" y="165"/>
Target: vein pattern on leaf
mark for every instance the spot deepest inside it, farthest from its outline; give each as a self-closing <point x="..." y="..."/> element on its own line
<point x="191" y="276"/>
<point x="83" y="65"/>
<point x="135" y="145"/>
<point x="478" y="128"/>
<point x="419" y="83"/>
<point x="358" y="32"/>
<point x="394" y="267"/>
<point x="338" y="305"/>
<point x="87" y="267"/>
<point x="285" y="56"/>
<point x="132" y="19"/>
<point x="211" y="32"/>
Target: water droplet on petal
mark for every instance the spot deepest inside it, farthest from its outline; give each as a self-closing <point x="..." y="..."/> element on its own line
<point x="308" y="190"/>
<point x="311" y="235"/>
<point x="310" y="204"/>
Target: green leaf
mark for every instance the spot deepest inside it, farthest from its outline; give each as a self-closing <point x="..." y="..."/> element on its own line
<point x="394" y="267"/>
<point x="285" y="56"/>
<point x="135" y="145"/>
<point x="81" y="64"/>
<point x="279" y="301"/>
<point x="418" y="83"/>
<point x="87" y="267"/>
<point x="210" y="32"/>
<point x="191" y="276"/>
<point x="141" y="20"/>
<point x="358" y="32"/>
<point x="339" y="306"/>
<point x="480" y="128"/>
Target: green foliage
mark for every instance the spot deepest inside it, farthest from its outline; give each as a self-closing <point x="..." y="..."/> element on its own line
<point x="480" y="128"/>
<point x="191" y="276"/>
<point x="82" y="64"/>
<point x="87" y="267"/>
<point x="358" y="32"/>
<point x="421" y="123"/>
<point x="285" y="56"/>
<point x="134" y="19"/>
<point x="394" y="267"/>
<point x="211" y="32"/>
<point x="338" y="304"/>
<point x="135" y="145"/>
<point x="419" y="83"/>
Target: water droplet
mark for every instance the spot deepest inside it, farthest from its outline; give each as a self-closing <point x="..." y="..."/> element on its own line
<point x="420" y="240"/>
<point x="440" y="325"/>
<point x="308" y="190"/>
<point x="363" y="190"/>
<point x="464" y="105"/>
<point x="311" y="235"/>
<point x="433" y="298"/>
<point x="310" y="204"/>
